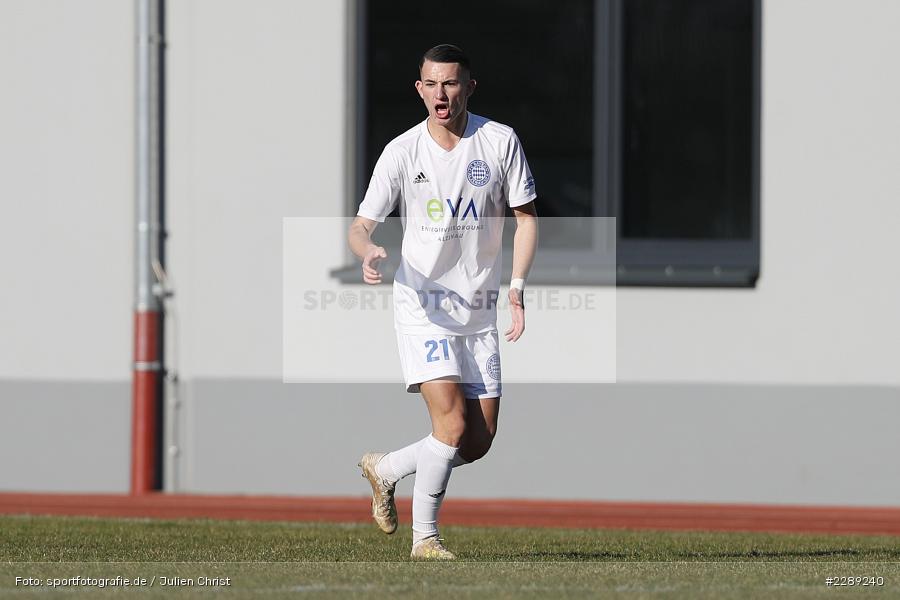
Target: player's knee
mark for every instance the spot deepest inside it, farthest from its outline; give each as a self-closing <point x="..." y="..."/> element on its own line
<point x="476" y="448"/>
<point x="454" y="428"/>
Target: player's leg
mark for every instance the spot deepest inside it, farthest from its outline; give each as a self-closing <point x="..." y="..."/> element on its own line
<point x="478" y="359"/>
<point x="400" y="463"/>
<point x="447" y="409"/>
<point x="481" y="427"/>
<point x="422" y="358"/>
<point x="397" y="464"/>
<point x="482" y="387"/>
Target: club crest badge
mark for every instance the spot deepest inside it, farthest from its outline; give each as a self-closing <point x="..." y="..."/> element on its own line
<point x="493" y="366"/>
<point x="478" y="173"/>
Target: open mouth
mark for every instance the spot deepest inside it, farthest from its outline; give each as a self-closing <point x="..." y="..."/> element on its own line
<point x="442" y="110"/>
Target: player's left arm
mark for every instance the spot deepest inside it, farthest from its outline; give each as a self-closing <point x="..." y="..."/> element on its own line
<point x="524" y="248"/>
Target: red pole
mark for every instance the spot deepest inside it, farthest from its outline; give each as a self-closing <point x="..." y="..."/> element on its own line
<point x="149" y="255"/>
<point x="145" y="383"/>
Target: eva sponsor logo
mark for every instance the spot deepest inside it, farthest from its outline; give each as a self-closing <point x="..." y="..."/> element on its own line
<point x="434" y="208"/>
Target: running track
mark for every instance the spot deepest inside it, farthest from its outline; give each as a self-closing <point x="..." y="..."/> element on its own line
<point x="505" y="513"/>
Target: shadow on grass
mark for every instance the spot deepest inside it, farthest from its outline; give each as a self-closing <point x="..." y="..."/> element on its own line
<point x="571" y="555"/>
<point x="841" y="553"/>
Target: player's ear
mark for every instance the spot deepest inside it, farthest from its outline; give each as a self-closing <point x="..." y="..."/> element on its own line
<point x="470" y="87"/>
<point x="419" y="88"/>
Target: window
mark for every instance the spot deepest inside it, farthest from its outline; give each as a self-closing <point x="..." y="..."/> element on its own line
<point x="646" y="110"/>
<point x="686" y="136"/>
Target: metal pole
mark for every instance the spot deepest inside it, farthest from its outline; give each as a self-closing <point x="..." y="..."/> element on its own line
<point x="147" y="383"/>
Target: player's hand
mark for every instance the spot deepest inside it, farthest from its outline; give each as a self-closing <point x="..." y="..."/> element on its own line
<point x="371" y="274"/>
<point x="517" y="311"/>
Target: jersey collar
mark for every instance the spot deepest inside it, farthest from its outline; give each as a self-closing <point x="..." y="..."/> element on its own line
<point x="436" y="148"/>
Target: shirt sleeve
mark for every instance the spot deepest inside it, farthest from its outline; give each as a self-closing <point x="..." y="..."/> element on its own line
<point x="384" y="189"/>
<point x="518" y="184"/>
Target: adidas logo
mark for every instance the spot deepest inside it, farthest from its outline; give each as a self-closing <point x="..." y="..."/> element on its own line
<point x="420" y="178"/>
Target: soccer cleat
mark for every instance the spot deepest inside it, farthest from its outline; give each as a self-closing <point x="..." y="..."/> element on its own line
<point x="431" y="549"/>
<point x="384" y="511"/>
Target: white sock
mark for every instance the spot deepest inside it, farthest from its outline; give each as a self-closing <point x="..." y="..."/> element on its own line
<point x="432" y="475"/>
<point x="400" y="463"/>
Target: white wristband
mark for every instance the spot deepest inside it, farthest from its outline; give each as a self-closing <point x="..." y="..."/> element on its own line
<point x="518" y="284"/>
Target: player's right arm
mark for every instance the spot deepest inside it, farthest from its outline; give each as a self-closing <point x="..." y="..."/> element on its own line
<point x="381" y="197"/>
<point x="360" y="239"/>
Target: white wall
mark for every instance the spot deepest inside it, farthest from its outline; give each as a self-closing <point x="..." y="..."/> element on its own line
<point x="66" y="188"/>
<point x="256" y="126"/>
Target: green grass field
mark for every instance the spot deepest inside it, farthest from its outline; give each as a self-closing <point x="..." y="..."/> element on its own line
<point x="306" y="560"/>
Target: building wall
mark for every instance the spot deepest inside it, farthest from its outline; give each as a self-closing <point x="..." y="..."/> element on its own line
<point x="723" y="395"/>
<point x="67" y="189"/>
<point x="67" y="193"/>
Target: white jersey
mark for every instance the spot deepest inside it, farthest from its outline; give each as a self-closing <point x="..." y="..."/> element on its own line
<point x="453" y="204"/>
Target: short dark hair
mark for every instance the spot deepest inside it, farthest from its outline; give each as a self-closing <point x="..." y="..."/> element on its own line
<point x="447" y="53"/>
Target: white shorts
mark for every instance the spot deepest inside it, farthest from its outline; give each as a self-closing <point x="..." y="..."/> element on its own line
<point x="473" y="359"/>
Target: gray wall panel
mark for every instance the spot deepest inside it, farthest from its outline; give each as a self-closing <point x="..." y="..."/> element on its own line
<point x="65" y="436"/>
<point x="709" y="443"/>
<point x="706" y="443"/>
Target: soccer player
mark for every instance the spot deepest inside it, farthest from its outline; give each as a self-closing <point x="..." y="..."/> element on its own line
<point x="453" y="175"/>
